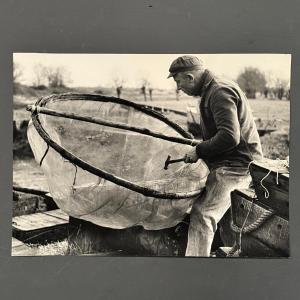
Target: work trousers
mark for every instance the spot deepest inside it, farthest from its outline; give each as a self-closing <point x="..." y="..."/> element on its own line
<point x="211" y="206"/>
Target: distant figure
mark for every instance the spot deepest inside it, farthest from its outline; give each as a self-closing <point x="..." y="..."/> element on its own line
<point x="288" y="94"/>
<point x="266" y="92"/>
<point x="143" y="91"/>
<point x="177" y="94"/>
<point x="150" y="93"/>
<point x="272" y="93"/>
<point x="119" y="90"/>
<point x="280" y="93"/>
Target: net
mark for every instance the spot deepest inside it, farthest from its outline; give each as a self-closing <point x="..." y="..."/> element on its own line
<point x="104" y="159"/>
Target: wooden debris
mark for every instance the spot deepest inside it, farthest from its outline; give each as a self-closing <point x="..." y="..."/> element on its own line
<point x="18" y="248"/>
<point x="41" y="227"/>
<point x="271" y="183"/>
<point x="29" y="201"/>
<point x="271" y="238"/>
<point x="223" y="251"/>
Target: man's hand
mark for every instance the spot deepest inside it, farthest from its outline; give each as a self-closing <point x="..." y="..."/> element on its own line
<point x="191" y="156"/>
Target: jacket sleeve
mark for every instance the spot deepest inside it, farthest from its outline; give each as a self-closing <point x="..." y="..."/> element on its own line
<point x="223" y="106"/>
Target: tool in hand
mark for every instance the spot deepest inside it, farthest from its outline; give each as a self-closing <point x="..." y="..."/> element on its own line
<point x="172" y="161"/>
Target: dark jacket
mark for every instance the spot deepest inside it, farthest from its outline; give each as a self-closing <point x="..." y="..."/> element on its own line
<point x="229" y="132"/>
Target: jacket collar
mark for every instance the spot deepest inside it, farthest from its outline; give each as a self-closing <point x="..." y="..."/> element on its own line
<point x="204" y="82"/>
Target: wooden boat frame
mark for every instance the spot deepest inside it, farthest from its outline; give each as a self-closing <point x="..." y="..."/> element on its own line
<point x="39" y="108"/>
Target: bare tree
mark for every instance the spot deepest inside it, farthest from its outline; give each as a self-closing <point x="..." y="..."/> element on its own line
<point x="281" y="87"/>
<point x="145" y="84"/>
<point x="119" y="82"/>
<point x="39" y="75"/>
<point x="278" y="87"/>
<point x="56" y="76"/>
<point x="252" y="80"/>
<point x="17" y="73"/>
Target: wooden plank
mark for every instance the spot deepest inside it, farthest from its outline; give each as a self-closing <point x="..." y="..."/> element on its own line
<point x="270" y="180"/>
<point x="277" y="200"/>
<point x="223" y="251"/>
<point x="274" y="232"/>
<point x="37" y="221"/>
<point x="265" y="174"/>
<point x="41" y="227"/>
<point x="246" y="193"/>
<point x="20" y="249"/>
<point x="281" y="207"/>
<point x="108" y="253"/>
<point x="273" y="165"/>
<point x="25" y="203"/>
<point x="16" y="243"/>
<point x="58" y="213"/>
<point x="253" y="247"/>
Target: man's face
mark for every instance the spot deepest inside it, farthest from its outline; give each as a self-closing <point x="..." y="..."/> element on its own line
<point x="185" y="82"/>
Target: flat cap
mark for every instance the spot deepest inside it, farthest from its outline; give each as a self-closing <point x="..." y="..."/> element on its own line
<point x="185" y="63"/>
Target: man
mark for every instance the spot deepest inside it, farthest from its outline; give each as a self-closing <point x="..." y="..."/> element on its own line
<point x="119" y="90"/>
<point x="230" y="143"/>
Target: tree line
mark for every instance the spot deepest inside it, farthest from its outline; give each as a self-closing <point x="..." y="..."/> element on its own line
<point x="44" y="76"/>
<point x="251" y="80"/>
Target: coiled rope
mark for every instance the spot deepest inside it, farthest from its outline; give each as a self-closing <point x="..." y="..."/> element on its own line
<point x="237" y="247"/>
<point x="255" y="225"/>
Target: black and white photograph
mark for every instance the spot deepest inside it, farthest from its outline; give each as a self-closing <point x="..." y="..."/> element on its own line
<point x="161" y="155"/>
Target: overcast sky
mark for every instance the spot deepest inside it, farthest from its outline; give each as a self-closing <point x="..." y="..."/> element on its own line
<point x="91" y="70"/>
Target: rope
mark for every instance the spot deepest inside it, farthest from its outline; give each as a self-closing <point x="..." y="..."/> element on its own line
<point x="75" y="175"/>
<point x="255" y="225"/>
<point x="237" y="247"/>
<point x="250" y="163"/>
<point x="266" y="191"/>
<point x="44" y="155"/>
<point x="267" y="194"/>
<point x="33" y="108"/>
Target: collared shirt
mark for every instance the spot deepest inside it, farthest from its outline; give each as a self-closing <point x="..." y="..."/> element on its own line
<point x="229" y="132"/>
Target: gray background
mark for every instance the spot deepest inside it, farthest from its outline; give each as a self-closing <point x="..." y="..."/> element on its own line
<point x="184" y="26"/>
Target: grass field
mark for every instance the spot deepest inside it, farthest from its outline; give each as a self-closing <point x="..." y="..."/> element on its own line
<point x="278" y="110"/>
